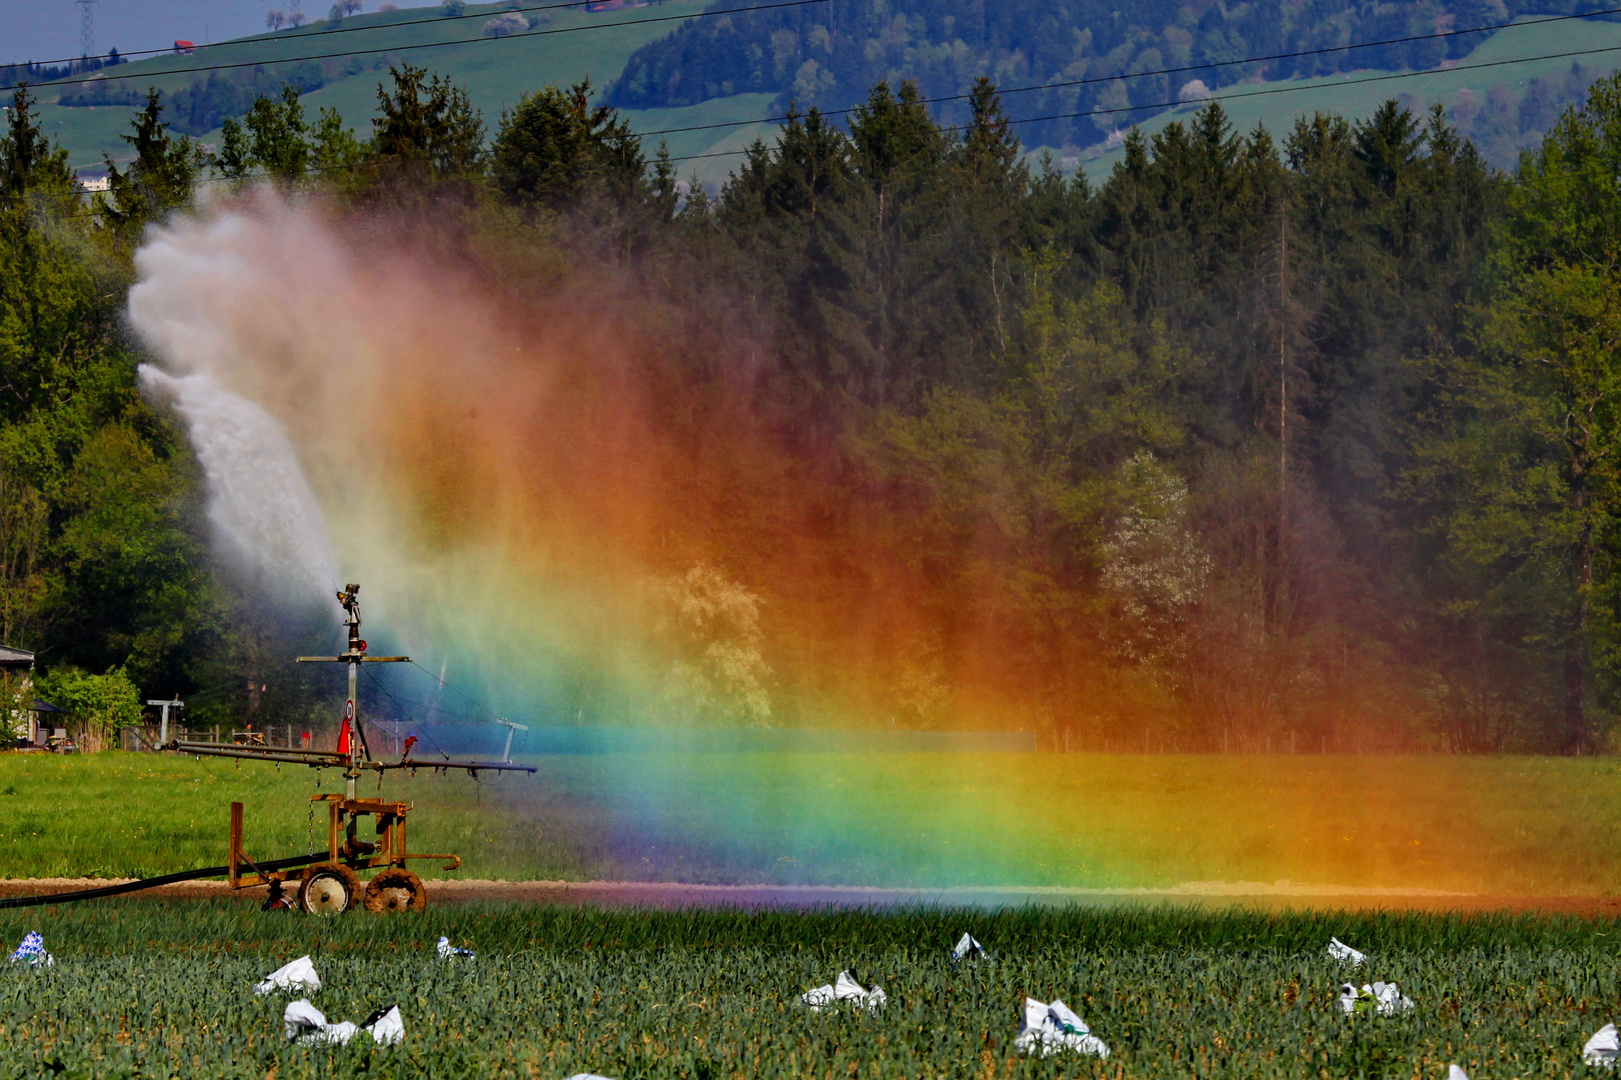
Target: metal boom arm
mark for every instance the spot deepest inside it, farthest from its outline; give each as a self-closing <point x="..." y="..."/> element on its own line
<point x="358" y="757"/>
<point x="329" y="759"/>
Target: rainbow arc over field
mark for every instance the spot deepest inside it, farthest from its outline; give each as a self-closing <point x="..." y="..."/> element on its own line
<point x="537" y="500"/>
<point x="526" y="487"/>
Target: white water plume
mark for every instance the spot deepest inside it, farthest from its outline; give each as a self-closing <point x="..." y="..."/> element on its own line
<point x="206" y="305"/>
<point x="261" y="506"/>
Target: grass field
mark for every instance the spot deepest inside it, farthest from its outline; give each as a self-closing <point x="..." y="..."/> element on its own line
<point x="1500" y="825"/>
<point x="157" y="989"/>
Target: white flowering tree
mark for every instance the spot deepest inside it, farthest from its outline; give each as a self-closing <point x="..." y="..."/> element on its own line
<point x="1155" y="566"/>
<point x="711" y="625"/>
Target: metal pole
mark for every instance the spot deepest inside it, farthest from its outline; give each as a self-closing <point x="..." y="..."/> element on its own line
<point x="512" y="729"/>
<point x="350" y="777"/>
<point x="235" y="843"/>
<point x="87" y="28"/>
<point x="163" y="723"/>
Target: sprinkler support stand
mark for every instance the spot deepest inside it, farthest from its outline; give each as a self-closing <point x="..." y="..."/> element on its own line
<point x="345" y="850"/>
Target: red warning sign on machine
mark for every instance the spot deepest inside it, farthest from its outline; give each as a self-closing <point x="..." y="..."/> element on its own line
<point x="348" y="719"/>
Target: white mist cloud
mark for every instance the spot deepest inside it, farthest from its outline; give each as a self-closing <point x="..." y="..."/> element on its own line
<point x="207" y="293"/>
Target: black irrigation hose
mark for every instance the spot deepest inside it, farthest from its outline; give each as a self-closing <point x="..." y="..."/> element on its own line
<point x="153" y="882"/>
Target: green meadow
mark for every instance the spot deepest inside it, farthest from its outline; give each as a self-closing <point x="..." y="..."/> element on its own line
<point x="1495" y="825"/>
<point x="495" y="72"/>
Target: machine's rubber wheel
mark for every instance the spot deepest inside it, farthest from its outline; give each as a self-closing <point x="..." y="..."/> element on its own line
<point x="330" y="889"/>
<point x="396" y="889"/>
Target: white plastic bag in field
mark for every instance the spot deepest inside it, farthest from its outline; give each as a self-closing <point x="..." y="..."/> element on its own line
<point x="1455" y="1073"/>
<point x="331" y="1035"/>
<point x="306" y="1025"/>
<point x="844" y="989"/>
<point x="1382" y="998"/>
<point x="386" y="1026"/>
<point x="447" y="950"/>
<point x="1603" y="1048"/>
<point x="1391" y="1000"/>
<point x="303" y="1022"/>
<point x="1048" y="1029"/>
<point x="587" y="1076"/>
<point x="966" y="947"/>
<point x="298" y="977"/>
<point x="32" y="951"/>
<point x="1339" y="950"/>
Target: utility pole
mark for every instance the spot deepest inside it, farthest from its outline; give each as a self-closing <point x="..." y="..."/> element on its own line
<point x="163" y="724"/>
<point x="87" y="28"/>
<point x="511" y="727"/>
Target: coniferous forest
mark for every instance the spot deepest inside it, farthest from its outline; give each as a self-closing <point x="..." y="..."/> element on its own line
<point x="1272" y="435"/>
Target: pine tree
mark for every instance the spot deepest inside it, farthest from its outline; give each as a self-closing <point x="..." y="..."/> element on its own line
<point x="161" y="177"/>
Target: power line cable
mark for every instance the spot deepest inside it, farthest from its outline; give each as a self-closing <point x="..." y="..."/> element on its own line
<point x="1038" y="86"/>
<point x="1177" y="70"/>
<point x="1182" y="69"/>
<point x="441" y="44"/>
<point x="216" y="688"/>
<point x="402" y="23"/>
<point x="1058" y="116"/>
<point x="475" y="702"/>
<point x="440" y="710"/>
<point x="1324" y="86"/>
<point x="1064" y="84"/>
<point x="1216" y="98"/>
<point x="1152" y="105"/>
<point x="377" y="684"/>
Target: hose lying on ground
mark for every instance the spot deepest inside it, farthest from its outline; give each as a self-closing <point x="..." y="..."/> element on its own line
<point x="153" y="882"/>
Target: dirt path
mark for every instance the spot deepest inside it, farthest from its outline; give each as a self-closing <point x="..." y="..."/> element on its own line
<point x="1276" y="896"/>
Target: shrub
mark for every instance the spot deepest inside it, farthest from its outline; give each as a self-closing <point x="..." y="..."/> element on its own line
<point x="504" y="25"/>
<point x="96" y="705"/>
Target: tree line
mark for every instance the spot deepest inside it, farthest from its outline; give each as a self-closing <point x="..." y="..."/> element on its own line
<point x="1300" y="439"/>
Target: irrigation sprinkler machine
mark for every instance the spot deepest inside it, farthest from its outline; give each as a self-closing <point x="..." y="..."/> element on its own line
<point x="328" y="883"/>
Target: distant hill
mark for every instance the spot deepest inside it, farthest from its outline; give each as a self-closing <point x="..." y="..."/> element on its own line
<point x="1500" y="101"/>
<point x="805" y="56"/>
<point x="744" y="69"/>
<point x="339" y="64"/>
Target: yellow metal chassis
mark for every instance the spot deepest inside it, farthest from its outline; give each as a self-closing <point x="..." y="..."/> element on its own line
<point x="343" y="843"/>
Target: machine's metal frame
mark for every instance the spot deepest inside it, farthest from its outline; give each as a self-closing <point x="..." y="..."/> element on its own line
<point x="344" y="812"/>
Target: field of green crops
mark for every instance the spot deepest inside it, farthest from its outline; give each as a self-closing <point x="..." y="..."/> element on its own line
<point x="155" y="988"/>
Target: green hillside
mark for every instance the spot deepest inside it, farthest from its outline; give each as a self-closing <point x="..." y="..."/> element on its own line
<point x="495" y="71"/>
<point x="341" y="70"/>
<point x="1358" y="94"/>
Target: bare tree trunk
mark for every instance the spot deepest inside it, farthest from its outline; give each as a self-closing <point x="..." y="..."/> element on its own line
<point x="22" y="540"/>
